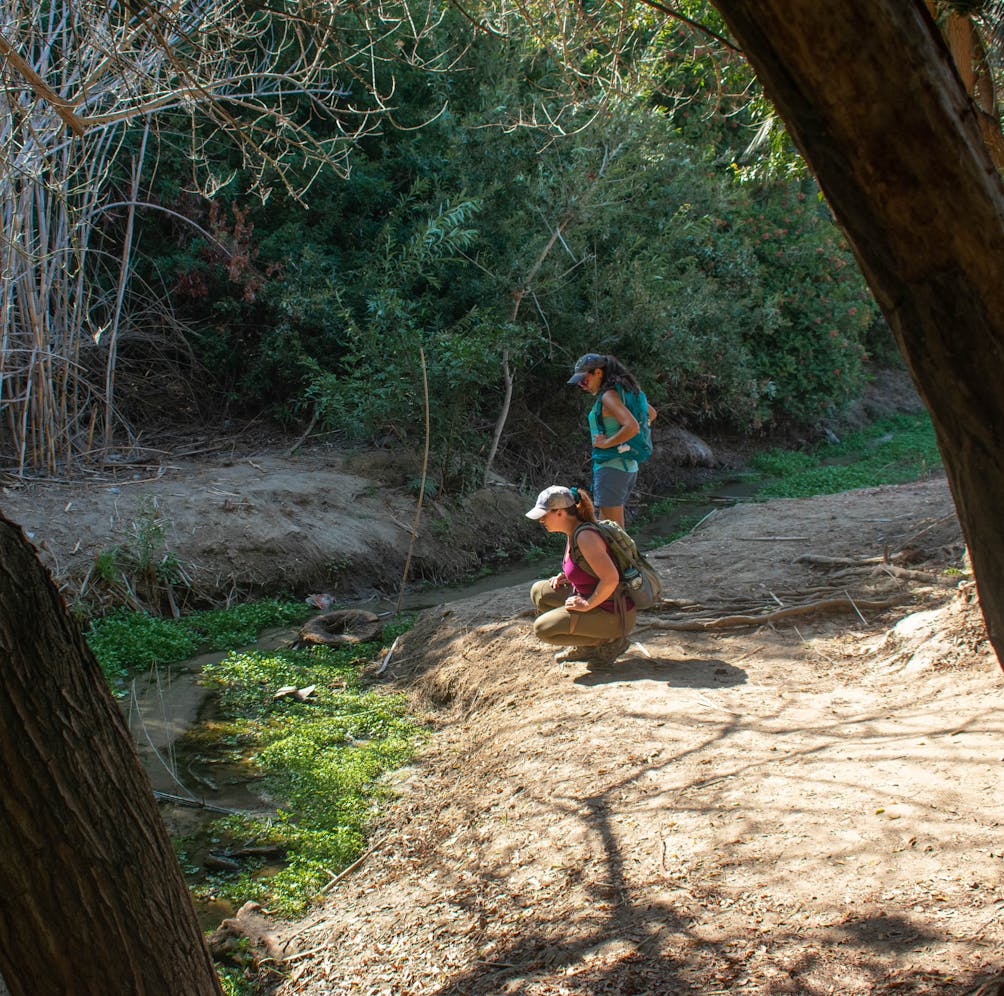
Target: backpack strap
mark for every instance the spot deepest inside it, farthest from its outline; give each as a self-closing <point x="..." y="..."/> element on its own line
<point x="598" y="409"/>
<point x="618" y="597"/>
<point x="620" y="394"/>
<point x="573" y="547"/>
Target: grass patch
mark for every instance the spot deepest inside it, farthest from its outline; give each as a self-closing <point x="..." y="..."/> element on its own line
<point x="322" y="759"/>
<point x="894" y="450"/>
<point x="126" y="641"/>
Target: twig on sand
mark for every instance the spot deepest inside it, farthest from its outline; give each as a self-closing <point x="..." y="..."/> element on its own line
<point x="300" y="955"/>
<point x="773" y="539"/>
<point x="351" y="868"/>
<point x="705" y="519"/>
<point x="856" y="609"/>
<point x="383" y="667"/>
<point x="302" y="439"/>
<point x="826" y="605"/>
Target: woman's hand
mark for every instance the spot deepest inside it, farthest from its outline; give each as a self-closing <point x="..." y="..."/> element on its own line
<point x="558" y="581"/>
<point x="576" y="603"/>
<point x="628" y="426"/>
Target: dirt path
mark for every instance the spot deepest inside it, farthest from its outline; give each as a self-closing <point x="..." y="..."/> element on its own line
<point x="810" y="807"/>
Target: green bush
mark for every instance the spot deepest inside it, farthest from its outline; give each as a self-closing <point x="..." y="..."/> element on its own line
<point x="893" y="450"/>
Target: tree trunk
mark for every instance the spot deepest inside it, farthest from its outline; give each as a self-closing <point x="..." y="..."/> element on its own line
<point x="94" y="902"/>
<point x="870" y="95"/>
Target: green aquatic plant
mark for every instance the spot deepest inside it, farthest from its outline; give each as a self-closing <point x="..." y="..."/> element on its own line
<point x="223" y="629"/>
<point x="126" y="641"/>
<point x="322" y="754"/>
<point x="893" y="450"/>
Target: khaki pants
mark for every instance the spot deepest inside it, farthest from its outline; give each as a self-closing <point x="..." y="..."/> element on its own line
<point x="574" y="629"/>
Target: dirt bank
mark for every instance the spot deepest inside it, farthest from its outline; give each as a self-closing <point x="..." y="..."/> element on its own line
<point x="250" y="522"/>
<point x="809" y="806"/>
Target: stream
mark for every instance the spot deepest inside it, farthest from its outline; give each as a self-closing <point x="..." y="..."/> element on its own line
<point x="167" y="710"/>
<point x="651" y="533"/>
<point x="170" y="713"/>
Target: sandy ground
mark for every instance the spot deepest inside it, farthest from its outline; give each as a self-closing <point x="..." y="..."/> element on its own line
<point x="806" y="804"/>
<point x="809" y="806"/>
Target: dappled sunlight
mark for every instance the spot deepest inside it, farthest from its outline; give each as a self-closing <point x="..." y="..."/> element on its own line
<point x="762" y="809"/>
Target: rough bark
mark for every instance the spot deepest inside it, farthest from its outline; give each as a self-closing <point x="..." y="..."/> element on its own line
<point x="870" y="94"/>
<point x="94" y="902"/>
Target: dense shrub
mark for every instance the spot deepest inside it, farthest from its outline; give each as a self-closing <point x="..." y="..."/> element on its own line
<point x="733" y="297"/>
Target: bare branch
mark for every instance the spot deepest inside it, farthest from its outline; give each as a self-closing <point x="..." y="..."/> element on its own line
<point x="77" y="78"/>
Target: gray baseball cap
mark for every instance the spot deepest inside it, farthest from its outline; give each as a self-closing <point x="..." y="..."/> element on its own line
<point x="584" y="364"/>
<point x="551" y="498"/>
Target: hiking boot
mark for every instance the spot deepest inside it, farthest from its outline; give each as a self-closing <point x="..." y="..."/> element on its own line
<point x="607" y="653"/>
<point x="577" y="654"/>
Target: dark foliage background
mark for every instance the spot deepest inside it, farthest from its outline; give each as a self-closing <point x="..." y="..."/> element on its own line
<point x="671" y="227"/>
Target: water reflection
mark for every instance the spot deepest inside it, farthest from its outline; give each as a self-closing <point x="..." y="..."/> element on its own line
<point x="195" y="774"/>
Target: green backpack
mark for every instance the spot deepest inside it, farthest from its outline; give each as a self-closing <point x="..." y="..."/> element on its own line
<point x="639" y="579"/>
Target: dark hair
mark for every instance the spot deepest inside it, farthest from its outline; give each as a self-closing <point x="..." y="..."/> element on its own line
<point x="614" y="373"/>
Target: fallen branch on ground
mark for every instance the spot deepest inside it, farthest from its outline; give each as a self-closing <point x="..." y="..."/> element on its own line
<point x="335" y="879"/>
<point x="827" y="605"/>
<point x="888" y="570"/>
<point x="181" y="800"/>
<point x="820" y="561"/>
<point x="390" y="653"/>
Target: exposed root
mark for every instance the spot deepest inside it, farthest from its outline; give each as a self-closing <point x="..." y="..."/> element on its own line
<point x="825" y="606"/>
<point x="339" y="628"/>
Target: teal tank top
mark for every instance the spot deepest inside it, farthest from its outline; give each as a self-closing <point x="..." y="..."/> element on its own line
<point x="608" y="458"/>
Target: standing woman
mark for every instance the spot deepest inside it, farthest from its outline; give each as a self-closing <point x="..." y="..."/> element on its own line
<point x="580" y="608"/>
<point x="611" y="425"/>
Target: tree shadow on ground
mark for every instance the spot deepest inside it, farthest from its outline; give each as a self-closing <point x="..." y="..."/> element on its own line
<point x="655" y="949"/>
<point x="883" y="932"/>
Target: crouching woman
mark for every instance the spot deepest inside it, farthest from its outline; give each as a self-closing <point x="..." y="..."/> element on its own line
<point x="582" y="607"/>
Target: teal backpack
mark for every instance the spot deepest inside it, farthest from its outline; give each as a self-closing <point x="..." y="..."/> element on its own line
<point x="639" y="446"/>
<point x="639" y="579"/>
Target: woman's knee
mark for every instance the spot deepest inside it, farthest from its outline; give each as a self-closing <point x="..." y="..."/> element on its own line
<point x="544" y="597"/>
<point x="552" y="627"/>
<point x="538" y="591"/>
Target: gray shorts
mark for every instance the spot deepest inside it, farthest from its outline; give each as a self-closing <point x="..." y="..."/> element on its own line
<point x="612" y="487"/>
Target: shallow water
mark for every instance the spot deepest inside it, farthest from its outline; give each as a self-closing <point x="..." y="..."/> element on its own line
<point x="194" y="781"/>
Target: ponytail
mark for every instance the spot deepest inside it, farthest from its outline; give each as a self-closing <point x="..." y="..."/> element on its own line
<point x="614" y="373"/>
<point x="583" y="505"/>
